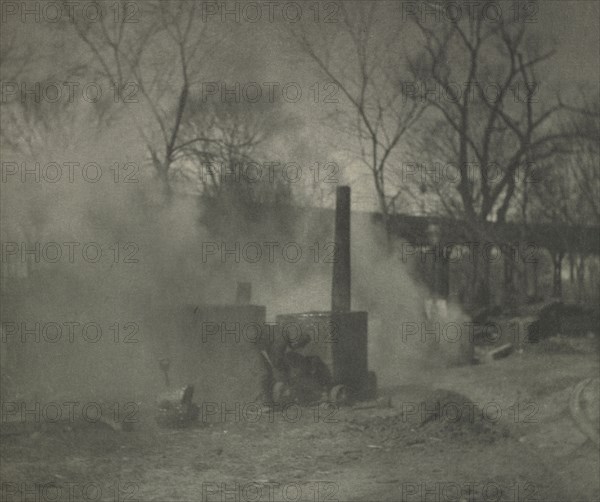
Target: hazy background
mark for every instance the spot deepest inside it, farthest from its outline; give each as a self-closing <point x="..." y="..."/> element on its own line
<point x="168" y="237"/>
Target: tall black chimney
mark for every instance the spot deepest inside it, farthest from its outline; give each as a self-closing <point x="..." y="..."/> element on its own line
<point x="340" y="288"/>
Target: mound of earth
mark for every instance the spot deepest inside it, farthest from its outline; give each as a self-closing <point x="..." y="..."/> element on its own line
<point x="440" y="415"/>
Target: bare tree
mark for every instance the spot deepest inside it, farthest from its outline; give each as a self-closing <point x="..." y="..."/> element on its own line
<point x="236" y="132"/>
<point x="488" y="98"/>
<point x="568" y="191"/>
<point x="365" y="63"/>
<point x="16" y="131"/>
<point x="158" y="62"/>
<point x="492" y="121"/>
<point x="162" y="63"/>
<point x="35" y="129"/>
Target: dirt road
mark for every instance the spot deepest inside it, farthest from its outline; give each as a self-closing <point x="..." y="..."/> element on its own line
<point x="495" y="432"/>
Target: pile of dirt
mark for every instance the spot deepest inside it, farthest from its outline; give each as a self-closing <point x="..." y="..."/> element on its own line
<point x="442" y="415"/>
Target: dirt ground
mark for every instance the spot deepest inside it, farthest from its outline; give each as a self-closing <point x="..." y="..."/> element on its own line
<point x="496" y="431"/>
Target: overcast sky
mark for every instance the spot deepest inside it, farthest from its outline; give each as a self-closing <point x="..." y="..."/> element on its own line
<point x="575" y="26"/>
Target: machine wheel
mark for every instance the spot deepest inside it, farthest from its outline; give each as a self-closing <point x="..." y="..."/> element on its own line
<point x="340" y="394"/>
<point x="281" y="392"/>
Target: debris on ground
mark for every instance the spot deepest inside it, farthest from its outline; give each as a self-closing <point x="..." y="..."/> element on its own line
<point x="176" y="409"/>
<point x="558" y="318"/>
<point x="486" y="356"/>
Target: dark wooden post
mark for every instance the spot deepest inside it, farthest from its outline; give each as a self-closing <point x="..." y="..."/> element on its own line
<point x="557" y="258"/>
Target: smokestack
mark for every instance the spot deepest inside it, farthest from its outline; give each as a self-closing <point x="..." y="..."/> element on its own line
<point x="340" y="287"/>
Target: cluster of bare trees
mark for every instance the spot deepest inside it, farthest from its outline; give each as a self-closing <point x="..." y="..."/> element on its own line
<point x="27" y="124"/>
<point x="155" y="70"/>
<point x="568" y="192"/>
<point x="465" y="100"/>
<point x="189" y="140"/>
<point x="467" y="92"/>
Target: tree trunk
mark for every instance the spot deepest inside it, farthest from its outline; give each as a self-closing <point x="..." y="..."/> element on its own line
<point x="480" y="281"/>
<point x="474" y="278"/>
<point x="484" y="291"/>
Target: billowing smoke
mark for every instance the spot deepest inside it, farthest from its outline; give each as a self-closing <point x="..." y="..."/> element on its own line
<point x="92" y="255"/>
<point x="81" y="326"/>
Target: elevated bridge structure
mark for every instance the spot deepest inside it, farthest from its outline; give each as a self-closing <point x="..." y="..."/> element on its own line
<point x="514" y="240"/>
<point x="554" y="238"/>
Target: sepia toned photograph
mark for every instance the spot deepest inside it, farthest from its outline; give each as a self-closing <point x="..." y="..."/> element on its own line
<point x="299" y="251"/>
